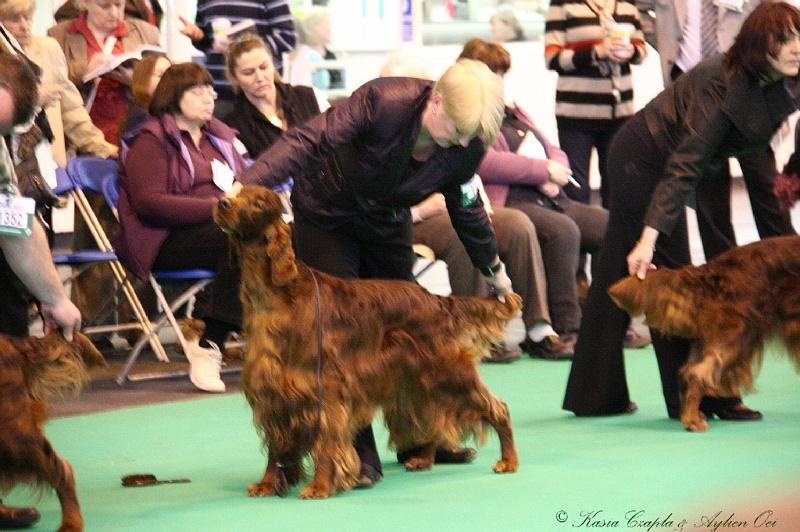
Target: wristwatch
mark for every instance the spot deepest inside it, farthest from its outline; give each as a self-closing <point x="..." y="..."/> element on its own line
<point x="491" y="271"/>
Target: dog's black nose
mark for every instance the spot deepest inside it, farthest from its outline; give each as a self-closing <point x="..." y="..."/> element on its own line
<point x="224" y="203"/>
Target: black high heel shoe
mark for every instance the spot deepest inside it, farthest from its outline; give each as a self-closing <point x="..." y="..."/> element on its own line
<point x="729" y="409"/>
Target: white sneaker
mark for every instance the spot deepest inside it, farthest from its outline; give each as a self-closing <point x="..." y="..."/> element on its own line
<point x="204" y="364"/>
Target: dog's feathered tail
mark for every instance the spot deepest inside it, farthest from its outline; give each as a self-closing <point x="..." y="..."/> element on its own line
<point x="481" y="323"/>
<point x="56" y="367"/>
<point x="484" y="319"/>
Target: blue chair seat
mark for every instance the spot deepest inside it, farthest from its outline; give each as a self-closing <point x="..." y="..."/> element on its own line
<point x="84" y="256"/>
<point x="182" y="275"/>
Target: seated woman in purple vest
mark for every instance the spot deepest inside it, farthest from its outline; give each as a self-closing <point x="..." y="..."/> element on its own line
<point x="172" y="172"/>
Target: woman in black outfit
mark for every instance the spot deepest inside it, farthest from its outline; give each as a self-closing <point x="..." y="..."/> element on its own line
<point x="727" y="105"/>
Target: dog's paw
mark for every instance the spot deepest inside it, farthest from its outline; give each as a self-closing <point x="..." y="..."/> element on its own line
<point x="694" y="423"/>
<point x="506" y="466"/>
<point x="316" y="490"/>
<point x="418" y="463"/>
<point x="261" y="489"/>
<point x="71" y="527"/>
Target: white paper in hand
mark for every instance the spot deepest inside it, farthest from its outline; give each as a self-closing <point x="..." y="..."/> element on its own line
<point x="223" y="175"/>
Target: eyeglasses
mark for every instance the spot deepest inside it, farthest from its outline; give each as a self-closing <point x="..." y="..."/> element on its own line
<point x="203" y="90"/>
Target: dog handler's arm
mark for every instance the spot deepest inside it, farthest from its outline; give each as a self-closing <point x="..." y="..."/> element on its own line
<point x="29" y="258"/>
<point x="640" y="259"/>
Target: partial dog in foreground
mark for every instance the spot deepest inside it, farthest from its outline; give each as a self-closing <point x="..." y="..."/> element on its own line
<point x="729" y="306"/>
<point x="323" y="354"/>
<point x="31" y="371"/>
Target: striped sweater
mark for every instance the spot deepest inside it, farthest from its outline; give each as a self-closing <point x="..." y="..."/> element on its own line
<point x="274" y="24"/>
<point x="588" y="96"/>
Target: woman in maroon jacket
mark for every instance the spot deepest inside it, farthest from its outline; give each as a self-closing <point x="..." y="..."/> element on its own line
<point x="359" y="167"/>
<point x="169" y="172"/>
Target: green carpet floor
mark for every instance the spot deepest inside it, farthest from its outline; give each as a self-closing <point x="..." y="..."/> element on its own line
<point x="599" y="469"/>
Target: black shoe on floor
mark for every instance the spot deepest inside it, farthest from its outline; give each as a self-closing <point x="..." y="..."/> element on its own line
<point x="446" y="455"/>
<point x="500" y="355"/>
<point x="551" y="348"/>
<point x="12" y="517"/>
<point x="729" y="409"/>
<point x="368" y="477"/>
<point x="630" y="409"/>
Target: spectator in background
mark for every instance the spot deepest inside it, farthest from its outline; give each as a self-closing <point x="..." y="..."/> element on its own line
<point x="86" y="42"/>
<point x="505" y="26"/>
<point x="273" y="23"/>
<point x="264" y="107"/>
<point x="147" y="10"/>
<point x="525" y="171"/>
<point x="144" y="79"/>
<point x="594" y="91"/>
<point x="314" y="37"/>
<point x="167" y="196"/>
<point x="519" y="250"/>
<point x="71" y="126"/>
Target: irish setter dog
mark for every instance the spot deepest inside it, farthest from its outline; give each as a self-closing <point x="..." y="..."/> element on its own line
<point x="729" y="306"/>
<point x="31" y="371"/>
<point x="324" y="354"/>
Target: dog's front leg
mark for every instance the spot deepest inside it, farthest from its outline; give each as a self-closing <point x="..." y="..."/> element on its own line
<point x="322" y="486"/>
<point x="278" y="478"/>
<point x="336" y="465"/>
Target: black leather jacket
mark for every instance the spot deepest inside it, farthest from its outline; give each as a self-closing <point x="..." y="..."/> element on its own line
<point x="706" y="116"/>
<point x="354" y="160"/>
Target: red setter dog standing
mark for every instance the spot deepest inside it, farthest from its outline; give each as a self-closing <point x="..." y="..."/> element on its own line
<point x="323" y="354"/>
<point x="31" y="371"/>
<point x="729" y="306"/>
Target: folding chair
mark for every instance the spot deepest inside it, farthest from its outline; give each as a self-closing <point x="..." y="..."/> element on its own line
<point x="198" y="280"/>
<point x="87" y="173"/>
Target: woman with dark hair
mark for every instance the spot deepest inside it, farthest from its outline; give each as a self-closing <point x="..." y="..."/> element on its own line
<point x="725" y="106"/>
<point x="168" y="175"/>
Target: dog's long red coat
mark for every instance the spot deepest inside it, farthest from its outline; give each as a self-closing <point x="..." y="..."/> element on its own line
<point x="382" y="344"/>
<point x="32" y="370"/>
<point x="729" y="306"/>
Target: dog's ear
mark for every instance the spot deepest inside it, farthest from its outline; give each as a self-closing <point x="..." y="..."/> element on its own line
<point x="627" y="294"/>
<point x="280" y="252"/>
<point x="89" y="353"/>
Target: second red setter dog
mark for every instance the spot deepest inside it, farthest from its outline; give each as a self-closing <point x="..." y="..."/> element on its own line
<point x="324" y="354"/>
<point x="729" y="306"/>
<point x="31" y="371"/>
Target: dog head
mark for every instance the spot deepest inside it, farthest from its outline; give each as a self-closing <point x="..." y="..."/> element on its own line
<point x="665" y="297"/>
<point x="55" y="366"/>
<point x="254" y="219"/>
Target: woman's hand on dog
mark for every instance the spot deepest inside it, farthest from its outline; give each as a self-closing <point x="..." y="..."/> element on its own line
<point x="640" y="259"/>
